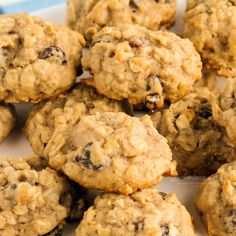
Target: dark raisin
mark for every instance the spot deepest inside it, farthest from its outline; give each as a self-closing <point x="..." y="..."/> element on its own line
<point x="58" y="231"/>
<point x="138" y="225"/>
<point x="209" y="11"/>
<point x="230" y="221"/>
<point x="133" y="4"/>
<point x="165" y="230"/>
<point x="112" y="54"/>
<point x="148" y="87"/>
<point x="54" y="51"/>
<point x="205" y="112"/>
<point x="128" y="107"/>
<point x="136" y="42"/>
<point x="22" y="178"/>
<point x="13" y="186"/>
<point x="151" y="101"/>
<point x="84" y="159"/>
<point x="231" y="212"/>
<point x="224" y="43"/>
<point x="79" y="71"/>
<point x="163" y="195"/>
<point x="232" y="217"/>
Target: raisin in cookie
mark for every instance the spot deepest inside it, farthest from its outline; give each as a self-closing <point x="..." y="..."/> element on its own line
<point x="198" y="143"/>
<point x="90" y="16"/>
<point x="224" y="107"/>
<point x="67" y="109"/>
<point x="34" y="198"/>
<point x="210" y="24"/>
<point x="38" y="59"/>
<point x="7" y="120"/>
<point x="145" y="213"/>
<point x="216" y="201"/>
<point x="143" y="66"/>
<point x="111" y="151"/>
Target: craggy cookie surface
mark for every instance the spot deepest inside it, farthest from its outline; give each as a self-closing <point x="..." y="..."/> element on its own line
<point x="224" y="107"/>
<point x="210" y="24"/>
<point x="38" y="59"/>
<point x="216" y="201"/>
<point x="143" y="66"/>
<point x="7" y="120"/>
<point x="67" y="109"/>
<point x="112" y="152"/>
<point x="88" y="17"/>
<point x="198" y="143"/>
<point x="145" y="213"/>
<point x="31" y="198"/>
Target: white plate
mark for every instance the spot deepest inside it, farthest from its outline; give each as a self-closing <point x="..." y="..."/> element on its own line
<point x="16" y="144"/>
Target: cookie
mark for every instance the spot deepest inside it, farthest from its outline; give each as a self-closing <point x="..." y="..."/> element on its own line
<point x="67" y="109"/>
<point x="216" y="201"/>
<point x="145" y="67"/>
<point x="7" y="120"/>
<point x="210" y="24"/>
<point x="145" y="213"/>
<point x="198" y="143"/>
<point x="90" y="16"/>
<point x="111" y="151"/>
<point x="34" y="198"/>
<point x="224" y="107"/>
<point x="38" y="59"/>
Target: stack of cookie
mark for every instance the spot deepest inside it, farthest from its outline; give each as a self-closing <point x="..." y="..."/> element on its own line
<point x="85" y="133"/>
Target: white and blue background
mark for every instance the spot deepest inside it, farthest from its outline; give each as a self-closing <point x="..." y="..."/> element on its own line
<point x="16" y="6"/>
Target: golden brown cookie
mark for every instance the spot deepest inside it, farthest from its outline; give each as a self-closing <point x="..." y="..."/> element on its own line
<point x="210" y="24"/>
<point x="90" y="16"/>
<point x="198" y="143"/>
<point x="34" y="198"/>
<point x="111" y="151"/>
<point x="145" y="213"/>
<point x="38" y="59"/>
<point x="143" y="66"/>
<point x="216" y="201"/>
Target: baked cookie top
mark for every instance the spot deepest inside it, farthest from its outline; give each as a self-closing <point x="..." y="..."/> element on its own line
<point x="145" y="213"/>
<point x="67" y="109"/>
<point x="224" y="107"/>
<point x="198" y="143"/>
<point x="90" y="16"/>
<point x="7" y="120"/>
<point x="216" y="201"/>
<point x="210" y="24"/>
<point x="34" y="198"/>
<point x="111" y="151"/>
<point x="143" y="66"/>
<point x="38" y="59"/>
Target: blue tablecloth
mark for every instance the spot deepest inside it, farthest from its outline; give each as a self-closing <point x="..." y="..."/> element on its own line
<point x="27" y="5"/>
